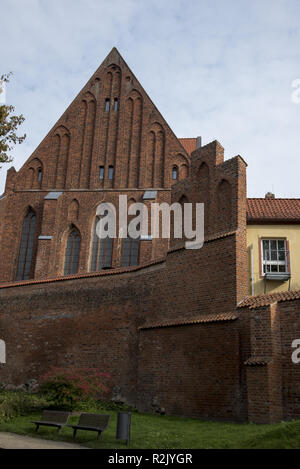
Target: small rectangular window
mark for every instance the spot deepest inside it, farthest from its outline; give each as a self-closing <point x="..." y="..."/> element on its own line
<point x="110" y="172"/>
<point x="116" y="105"/>
<point x="107" y="105"/>
<point x="274" y="256"/>
<point x="101" y="172"/>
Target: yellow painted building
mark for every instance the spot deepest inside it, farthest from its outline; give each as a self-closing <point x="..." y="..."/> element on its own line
<point x="273" y="244"/>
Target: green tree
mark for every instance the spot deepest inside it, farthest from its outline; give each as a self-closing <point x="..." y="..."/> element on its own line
<point x="9" y="124"/>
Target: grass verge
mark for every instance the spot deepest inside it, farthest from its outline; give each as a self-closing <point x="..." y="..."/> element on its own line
<point x="163" y="432"/>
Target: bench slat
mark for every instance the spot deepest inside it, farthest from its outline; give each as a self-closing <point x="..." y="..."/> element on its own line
<point x="94" y="420"/>
<point x="55" y="416"/>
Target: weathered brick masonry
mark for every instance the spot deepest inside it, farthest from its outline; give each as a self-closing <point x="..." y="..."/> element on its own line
<point x="272" y="377"/>
<point x="175" y="331"/>
<point x="95" y="321"/>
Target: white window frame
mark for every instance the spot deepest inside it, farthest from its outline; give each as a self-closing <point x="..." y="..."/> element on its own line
<point x="270" y="257"/>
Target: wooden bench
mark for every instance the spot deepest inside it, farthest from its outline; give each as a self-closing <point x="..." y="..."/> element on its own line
<point x="53" y="418"/>
<point x="92" y="422"/>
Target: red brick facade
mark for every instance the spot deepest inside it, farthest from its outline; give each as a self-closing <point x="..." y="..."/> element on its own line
<point x="168" y="330"/>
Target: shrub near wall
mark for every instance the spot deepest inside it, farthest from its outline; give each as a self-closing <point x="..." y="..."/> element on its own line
<point x="14" y="404"/>
<point x="65" y="387"/>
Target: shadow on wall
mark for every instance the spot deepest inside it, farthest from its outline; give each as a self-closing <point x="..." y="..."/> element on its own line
<point x="2" y="351"/>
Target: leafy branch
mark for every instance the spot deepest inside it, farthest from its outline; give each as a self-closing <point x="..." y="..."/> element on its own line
<point x="9" y="124"/>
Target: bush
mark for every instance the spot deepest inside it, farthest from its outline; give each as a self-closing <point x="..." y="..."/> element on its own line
<point x="16" y="403"/>
<point x="116" y="406"/>
<point x="94" y="405"/>
<point x="65" y="387"/>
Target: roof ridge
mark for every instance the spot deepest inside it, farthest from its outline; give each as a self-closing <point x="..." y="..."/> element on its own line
<point x="200" y="318"/>
<point x="276" y="198"/>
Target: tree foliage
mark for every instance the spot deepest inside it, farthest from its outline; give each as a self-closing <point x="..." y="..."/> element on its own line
<point x="9" y="124"/>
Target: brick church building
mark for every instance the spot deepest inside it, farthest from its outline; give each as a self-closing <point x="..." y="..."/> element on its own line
<point x="176" y="328"/>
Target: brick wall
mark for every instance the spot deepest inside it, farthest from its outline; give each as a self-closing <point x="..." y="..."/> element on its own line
<point x="94" y="320"/>
<point x="273" y="391"/>
<point x="290" y="330"/>
<point x="191" y="370"/>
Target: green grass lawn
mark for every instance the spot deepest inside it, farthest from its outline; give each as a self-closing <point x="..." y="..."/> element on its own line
<point x="153" y="431"/>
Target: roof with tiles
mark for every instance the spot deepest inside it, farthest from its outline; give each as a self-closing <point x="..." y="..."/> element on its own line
<point x="196" y="320"/>
<point x="189" y="144"/>
<point x="273" y="210"/>
<point x="269" y="298"/>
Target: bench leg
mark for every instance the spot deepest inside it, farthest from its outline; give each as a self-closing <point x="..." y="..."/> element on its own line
<point x="99" y="436"/>
<point x="37" y="427"/>
<point x="74" y="432"/>
<point x="59" y="430"/>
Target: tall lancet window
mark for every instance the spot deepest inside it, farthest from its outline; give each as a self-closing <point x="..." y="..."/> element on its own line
<point x="130" y="252"/>
<point x="26" y="253"/>
<point x="72" y="252"/>
<point x="40" y="175"/>
<point x="102" y="250"/>
<point x="107" y="105"/>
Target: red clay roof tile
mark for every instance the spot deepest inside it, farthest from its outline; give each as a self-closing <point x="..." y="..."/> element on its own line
<point x="189" y="144"/>
<point x="269" y="298"/>
<point x="276" y="210"/>
<point x="198" y="320"/>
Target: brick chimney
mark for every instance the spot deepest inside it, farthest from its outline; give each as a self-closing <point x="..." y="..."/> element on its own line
<point x="269" y="195"/>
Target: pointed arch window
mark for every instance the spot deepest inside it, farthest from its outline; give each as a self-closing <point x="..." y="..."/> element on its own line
<point x="175" y="173"/>
<point x="130" y="252"/>
<point x="72" y="252"/>
<point x="101" y="172"/>
<point x="110" y="172"/>
<point x="40" y="175"/>
<point x="30" y="178"/>
<point x="102" y="250"/>
<point x="26" y="254"/>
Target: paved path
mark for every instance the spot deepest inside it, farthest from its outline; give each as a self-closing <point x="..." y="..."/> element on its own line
<point x="13" y="441"/>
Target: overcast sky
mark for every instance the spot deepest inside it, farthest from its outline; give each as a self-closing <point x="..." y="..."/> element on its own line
<point x="220" y="69"/>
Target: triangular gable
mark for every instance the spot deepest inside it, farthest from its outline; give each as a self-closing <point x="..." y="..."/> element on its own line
<point x="111" y="124"/>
